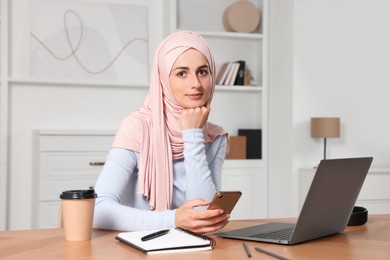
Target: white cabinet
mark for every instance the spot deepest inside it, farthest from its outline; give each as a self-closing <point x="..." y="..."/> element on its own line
<point x="64" y="160"/>
<point x="374" y="195"/>
<point x="235" y="107"/>
<point x="249" y="177"/>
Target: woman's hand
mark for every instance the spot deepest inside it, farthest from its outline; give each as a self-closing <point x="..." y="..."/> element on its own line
<point x="195" y="117"/>
<point x="200" y="221"/>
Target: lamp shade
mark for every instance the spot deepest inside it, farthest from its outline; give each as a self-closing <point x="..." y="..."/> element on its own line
<point x="325" y="127"/>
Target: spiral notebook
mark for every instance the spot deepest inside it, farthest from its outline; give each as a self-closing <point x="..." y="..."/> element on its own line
<point x="176" y="240"/>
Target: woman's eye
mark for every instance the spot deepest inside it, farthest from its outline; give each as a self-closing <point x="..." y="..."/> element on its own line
<point x="203" y="72"/>
<point x="181" y="74"/>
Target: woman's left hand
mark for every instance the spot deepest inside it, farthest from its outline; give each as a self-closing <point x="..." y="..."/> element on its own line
<point x="195" y="117"/>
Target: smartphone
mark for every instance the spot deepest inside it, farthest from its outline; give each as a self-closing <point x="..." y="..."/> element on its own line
<point x="225" y="200"/>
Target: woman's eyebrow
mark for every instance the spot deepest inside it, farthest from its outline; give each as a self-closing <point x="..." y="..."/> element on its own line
<point x="187" y="68"/>
<point x="181" y="68"/>
<point x="204" y="66"/>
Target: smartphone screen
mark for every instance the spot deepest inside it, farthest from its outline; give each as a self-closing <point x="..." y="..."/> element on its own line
<point x="225" y="200"/>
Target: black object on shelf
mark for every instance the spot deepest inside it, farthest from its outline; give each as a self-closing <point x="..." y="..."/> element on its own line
<point x="253" y="142"/>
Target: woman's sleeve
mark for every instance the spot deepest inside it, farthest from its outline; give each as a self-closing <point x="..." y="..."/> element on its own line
<point x="111" y="184"/>
<point x="203" y="168"/>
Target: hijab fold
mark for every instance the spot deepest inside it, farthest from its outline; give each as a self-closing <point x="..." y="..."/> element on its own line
<point x="154" y="131"/>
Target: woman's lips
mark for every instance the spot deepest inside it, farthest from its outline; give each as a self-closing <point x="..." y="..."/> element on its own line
<point x="195" y="96"/>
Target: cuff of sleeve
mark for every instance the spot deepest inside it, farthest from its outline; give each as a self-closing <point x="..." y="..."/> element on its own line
<point x="193" y="135"/>
<point x="170" y="218"/>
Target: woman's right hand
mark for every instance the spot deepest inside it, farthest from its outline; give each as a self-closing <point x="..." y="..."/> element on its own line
<point x="195" y="117"/>
<point x="200" y="221"/>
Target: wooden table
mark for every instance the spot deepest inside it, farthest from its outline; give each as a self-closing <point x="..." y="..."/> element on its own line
<point x="370" y="241"/>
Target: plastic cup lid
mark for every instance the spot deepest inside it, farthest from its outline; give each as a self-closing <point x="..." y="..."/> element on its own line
<point x="78" y="194"/>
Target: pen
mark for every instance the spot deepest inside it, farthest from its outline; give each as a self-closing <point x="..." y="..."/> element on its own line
<point x="247" y="249"/>
<point x="271" y="254"/>
<point x="155" y="235"/>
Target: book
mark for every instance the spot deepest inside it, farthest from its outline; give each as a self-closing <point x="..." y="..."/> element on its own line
<point x="234" y="73"/>
<point x="230" y="74"/>
<point x="176" y="240"/>
<point x="221" y="73"/>
<point x="224" y="72"/>
<point x="240" y="74"/>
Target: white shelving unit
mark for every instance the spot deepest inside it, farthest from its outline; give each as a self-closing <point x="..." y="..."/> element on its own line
<point x="235" y="107"/>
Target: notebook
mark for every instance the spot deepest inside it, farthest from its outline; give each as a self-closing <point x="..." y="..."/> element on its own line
<point x="176" y="240"/>
<point x="326" y="210"/>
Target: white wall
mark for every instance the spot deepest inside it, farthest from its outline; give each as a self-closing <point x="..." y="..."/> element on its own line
<point x="327" y="58"/>
<point x="341" y="68"/>
<point x="280" y="108"/>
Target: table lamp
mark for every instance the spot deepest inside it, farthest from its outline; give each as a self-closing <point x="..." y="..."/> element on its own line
<point x="325" y="127"/>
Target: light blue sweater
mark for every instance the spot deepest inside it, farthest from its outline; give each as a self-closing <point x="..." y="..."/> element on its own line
<point x="198" y="175"/>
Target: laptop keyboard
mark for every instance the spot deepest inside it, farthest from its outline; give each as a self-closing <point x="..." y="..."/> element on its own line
<point x="283" y="234"/>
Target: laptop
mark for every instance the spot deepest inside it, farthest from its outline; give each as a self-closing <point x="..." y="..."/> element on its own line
<point x="326" y="210"/>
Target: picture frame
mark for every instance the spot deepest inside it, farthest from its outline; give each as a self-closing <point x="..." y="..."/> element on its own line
<point x="92" y="40"/>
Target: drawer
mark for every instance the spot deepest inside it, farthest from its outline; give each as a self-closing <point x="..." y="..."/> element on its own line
<point x="76" y="163"/>
<point x="52" y="187"/>
<point x="74" y="143"/>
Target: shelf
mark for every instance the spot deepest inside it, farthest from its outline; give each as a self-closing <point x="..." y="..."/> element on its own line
<point x="87" y="132"/>
<point x="239" y="88"/>
<point x="81" y="82"/>
<point x="232" y="35"/>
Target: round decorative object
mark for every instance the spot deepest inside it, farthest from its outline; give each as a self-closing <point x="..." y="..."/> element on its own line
<point x="358" y="217"/>
<point x="241" y="16"/>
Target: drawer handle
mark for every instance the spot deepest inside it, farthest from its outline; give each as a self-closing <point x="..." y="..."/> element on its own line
<point x="96" y="163"/>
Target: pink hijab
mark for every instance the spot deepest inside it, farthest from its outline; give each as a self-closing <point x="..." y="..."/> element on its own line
<point x="154" y="131"/>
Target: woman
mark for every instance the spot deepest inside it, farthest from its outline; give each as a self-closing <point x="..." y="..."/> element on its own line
<point x="166" y="160"/>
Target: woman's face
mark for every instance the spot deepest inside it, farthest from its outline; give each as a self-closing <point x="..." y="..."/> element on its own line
<point x="190" y="79"/>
